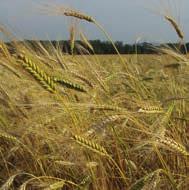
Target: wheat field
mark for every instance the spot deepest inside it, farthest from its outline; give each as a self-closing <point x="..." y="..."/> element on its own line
<point x="84" y="122"/>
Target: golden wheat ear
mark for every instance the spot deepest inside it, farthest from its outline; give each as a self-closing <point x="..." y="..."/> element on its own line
<point x="100" y="126"/>
<point x="61" y="10"/>
<point x="175" y="26"/>
<point x="90" y="145"/>
<point x="150" y="109"/>
<point x="172" y="145"/>
<point x="79" y="15"/>
<point x="9" y="137"/>
<point x="106" y="108"/>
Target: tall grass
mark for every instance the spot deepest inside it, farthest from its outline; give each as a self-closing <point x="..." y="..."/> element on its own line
<point x="103" y="127"/>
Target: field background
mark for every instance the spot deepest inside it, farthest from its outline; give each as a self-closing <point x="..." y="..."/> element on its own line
<point x="84" y="122"/>
<point x="131" y="122"/>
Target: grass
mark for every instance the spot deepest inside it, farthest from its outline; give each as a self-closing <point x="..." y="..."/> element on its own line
<point x="107" y="126"/>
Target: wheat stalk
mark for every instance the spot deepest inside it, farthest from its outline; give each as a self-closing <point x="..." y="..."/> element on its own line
<point x="85" y="41"/>
<point x="72" y="39"/>
<point x="175" y="26"/>
<point x="38" y="74"/>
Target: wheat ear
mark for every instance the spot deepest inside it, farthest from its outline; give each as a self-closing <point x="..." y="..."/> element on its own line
<point x="173" y="145"/>
<point x="69" y="84"/>
<point x="90" y="145"/>
<point x="9" y="137"/>
<point x="84" y="79"/>
<point x="78" y="15"/>
<point x="151" y="109"/>
<point x="100" y="125"/>
<point x="175" y="26"/>
<point x="61" y="10"/>
<point x="38" y="74"/>
<point x="98" y="149"/>
<point x="152" y="181"/>
<point x="106" y="108"/>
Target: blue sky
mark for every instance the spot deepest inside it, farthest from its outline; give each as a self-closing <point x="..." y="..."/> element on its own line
<point x="125" y="20"/>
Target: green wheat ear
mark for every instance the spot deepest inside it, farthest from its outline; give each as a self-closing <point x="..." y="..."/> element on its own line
<point x="38" y="74"/>
<point x="69" y="84"/>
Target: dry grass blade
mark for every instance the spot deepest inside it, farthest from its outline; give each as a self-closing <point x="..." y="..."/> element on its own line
<point x="173" y="65"/>
<point x="85" y="41"/>
<point x="175" y="26"/>
<point x="10" y="68"/>
<point x="7" y="185"/>
<point x="40" y="75"/>
<point x="56" y="186"/>
<point x="91" y="145"/>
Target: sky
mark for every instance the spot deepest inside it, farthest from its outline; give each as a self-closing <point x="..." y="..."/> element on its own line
<point x="124" y="20"/>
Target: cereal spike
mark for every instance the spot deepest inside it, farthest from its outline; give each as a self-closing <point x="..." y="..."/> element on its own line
<point x="171" y="144"/>
<point x="150" y="109"/>
<point x="79" y="15"/>
<point x="90" y="145"/>
<point x="39" y="75"/>
<point x="101" y="125"/>
<point x="69" y="84"/>
<point x="106" y="108"/>
<point x="84" y="79"/>
<point x="175" y="26"/>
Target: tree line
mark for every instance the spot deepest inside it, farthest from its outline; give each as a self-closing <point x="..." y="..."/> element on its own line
<point x="105" y="47"/>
